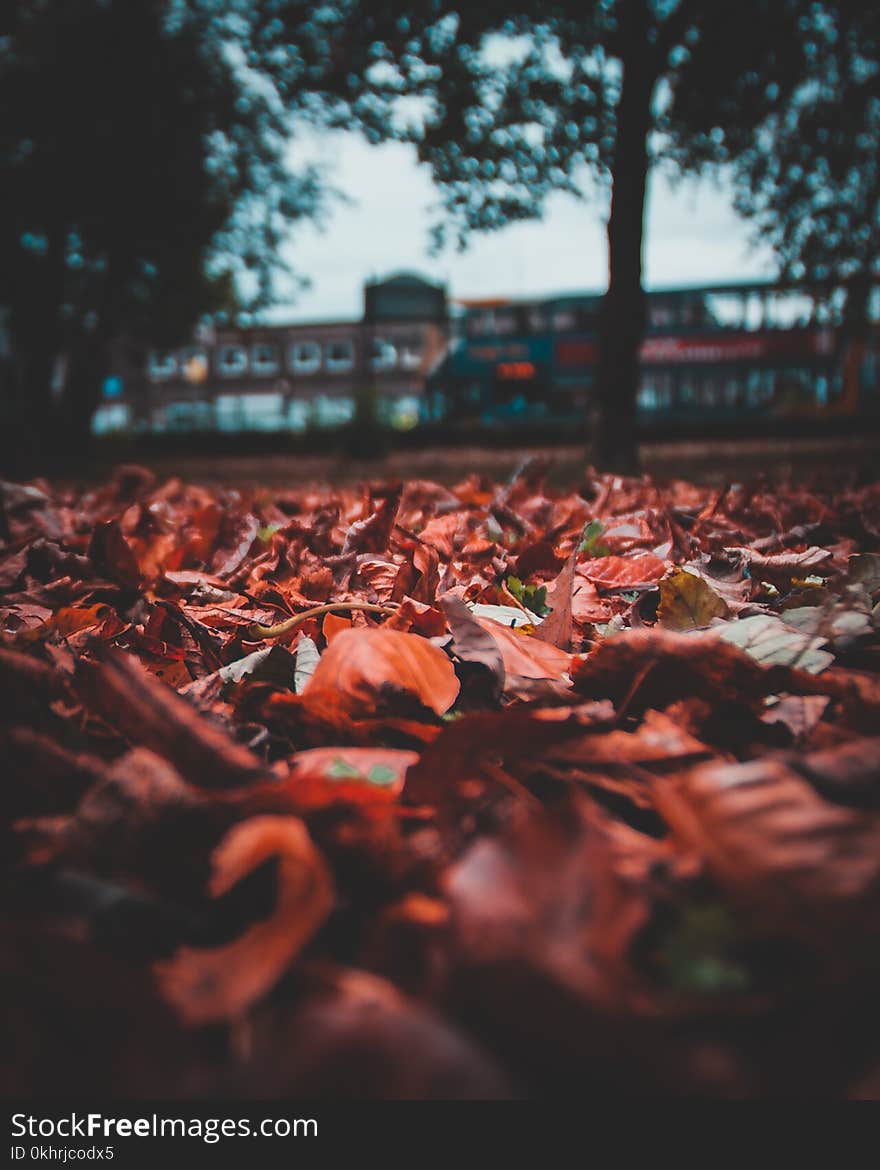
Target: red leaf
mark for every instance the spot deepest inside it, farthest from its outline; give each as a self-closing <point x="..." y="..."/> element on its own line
<point x="362" y="667"/>
<point x="206" y="986"/>
<point x="623" y="572"/>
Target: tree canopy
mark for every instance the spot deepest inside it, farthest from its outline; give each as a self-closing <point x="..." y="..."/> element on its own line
<point x="807" y="164"/>
<point x="510" y="102"/>
<point x="145" y="165"/>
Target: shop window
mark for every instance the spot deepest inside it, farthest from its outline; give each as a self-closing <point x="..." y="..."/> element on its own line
<point x="162" y="365"/>
<point x="339" y="356"/>
<point x="305" y="357"/>
<point x="265" y="361"/>
<point x="232" y="361"/>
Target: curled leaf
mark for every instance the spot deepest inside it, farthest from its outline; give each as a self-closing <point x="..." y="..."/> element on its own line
<point x="208" y="986"/>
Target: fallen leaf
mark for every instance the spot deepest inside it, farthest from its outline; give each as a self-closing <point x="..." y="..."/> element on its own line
<point x="688" y="603"/>
<point x="363" y="667"/>
<point x="208" y="986"/>
<point x="771" y="642"/>
<point x="615" y="572"/>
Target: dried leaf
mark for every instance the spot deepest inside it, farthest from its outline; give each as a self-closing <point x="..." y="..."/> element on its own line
<point x="149" y="713"/>
<point x="207" y="986"/>
<point x="771" y="642"/>
<point x="688" y="603"/>
<point x="613" y="572"/>
<point x="363" y="667"/>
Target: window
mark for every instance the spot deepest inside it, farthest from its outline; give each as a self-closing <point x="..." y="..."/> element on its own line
<point x="305" y="357"/>
<point x="479" y="322"/>
<point x="111" y="417"/>
<point x="384" y="355"/>
<point x="232" y="360"/>
<point x="300" y="415"/>
<point x="537" y="319"/>
<point x="194" y="364"/>
<point x="264" y="359"/>
<point x="332" y="412"/>
<point x="725" y="310"/>
<point x="565" y="320"/>
<point x="655" y="392"/>
<point x="409" y="352"/>
<point x="162" y="365"/>
<point x="661" y="314"/>
<point x="506" y="322"/>
<point x="339" y="356"/>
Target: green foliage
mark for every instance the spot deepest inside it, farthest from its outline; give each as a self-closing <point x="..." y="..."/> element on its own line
<point x="701" y="952"/>
<point x="533" y="597"/>
<point x="145" y="169"/>
<point x="803" y="136"/>
<point x="590" y="540"/>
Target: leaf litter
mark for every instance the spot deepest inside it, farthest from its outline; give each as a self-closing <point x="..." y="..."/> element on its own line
<point x="469" y="791"/>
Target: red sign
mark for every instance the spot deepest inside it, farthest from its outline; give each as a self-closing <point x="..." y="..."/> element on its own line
<point x="709" y="347"/>
<point x="515" y="371"/>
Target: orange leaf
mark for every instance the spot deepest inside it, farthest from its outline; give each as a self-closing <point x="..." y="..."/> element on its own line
<point x="207" y="986"/>
<point x="333" y="625"/>
<point x="355" y="775"/>
<point x="525" y="655"/>
<point x="623" y="572"/>
<point x="360" y="664"/>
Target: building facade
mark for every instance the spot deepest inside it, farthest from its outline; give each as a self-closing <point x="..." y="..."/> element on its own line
<point x="289" y="377"/>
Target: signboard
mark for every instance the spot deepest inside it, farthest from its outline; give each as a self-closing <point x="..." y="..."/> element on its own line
<point x="797" y="344"/>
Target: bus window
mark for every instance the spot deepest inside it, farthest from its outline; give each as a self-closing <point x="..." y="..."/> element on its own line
<point x="661" y="313"/>
<point x="710" y="392"/>
<point x="537" y="319"/>
<point x="655" y="392"/>
<point x="754" y="311"/>
<point x="732" y="391"/>
<point x="754" y="389"/>
<point x="687" y="391"/>
<point x="564" y="320"/>
<point x="505" y="322"/>
<point x="789" y="310"/>
<point x="726" y="310"/>
<point x="647" y="399"/>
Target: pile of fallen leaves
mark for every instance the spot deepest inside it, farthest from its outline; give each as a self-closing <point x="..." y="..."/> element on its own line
<point x="428" y="791"/>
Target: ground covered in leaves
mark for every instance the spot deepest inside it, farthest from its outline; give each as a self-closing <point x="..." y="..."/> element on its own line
<point x="425" y="791"/>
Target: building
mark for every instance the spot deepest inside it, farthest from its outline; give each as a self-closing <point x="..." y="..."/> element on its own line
<point x="289" y="377"/>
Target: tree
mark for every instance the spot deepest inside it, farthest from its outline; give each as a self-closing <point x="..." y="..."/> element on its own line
<point x="508" y="102"/>
<point x="144" y="168"/>
<point x="808" y="171"/>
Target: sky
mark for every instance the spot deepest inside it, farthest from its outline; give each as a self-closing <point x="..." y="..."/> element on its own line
<point x="693" y="236"/>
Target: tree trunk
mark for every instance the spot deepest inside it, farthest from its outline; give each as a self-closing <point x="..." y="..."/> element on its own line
<point x="623" y="310"/>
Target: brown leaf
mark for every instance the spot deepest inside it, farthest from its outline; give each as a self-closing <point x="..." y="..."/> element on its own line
<point x="687" y="602"/>
<point x="362" y="667"/>
<point x="525" y="657"/>
<point x="111" y="555"/>
<point x="373" y="532"/>
<point x="352" y="775"/>
<point x="557" y="625"/>
<point x="782" y="567"/>
<point x="654" y="668"/>
<point x="472" y="644"/>
<point x="623" y="572"/>
<point x="208" y="986"/>
<point x="147" y="712"/>
<point x="802" y="865"/>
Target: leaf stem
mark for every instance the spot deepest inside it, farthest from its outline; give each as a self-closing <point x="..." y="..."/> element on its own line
<point x="258" y="631"/>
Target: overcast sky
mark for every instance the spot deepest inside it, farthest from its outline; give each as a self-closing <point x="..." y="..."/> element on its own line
<point x="693" y="235"/>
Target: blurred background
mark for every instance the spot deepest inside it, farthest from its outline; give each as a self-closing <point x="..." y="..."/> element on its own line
<point x="352" y="230"/>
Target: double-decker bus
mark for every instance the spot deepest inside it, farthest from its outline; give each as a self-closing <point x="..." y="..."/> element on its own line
<point x="722" y="353"/>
